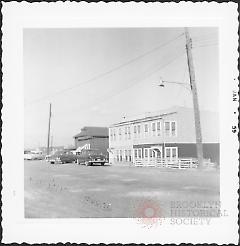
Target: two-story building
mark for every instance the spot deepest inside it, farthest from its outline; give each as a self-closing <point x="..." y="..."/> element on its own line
<point x="168" y="134"/>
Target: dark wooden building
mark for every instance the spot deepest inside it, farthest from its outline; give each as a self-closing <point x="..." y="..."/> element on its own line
<point x="92" y="137"/>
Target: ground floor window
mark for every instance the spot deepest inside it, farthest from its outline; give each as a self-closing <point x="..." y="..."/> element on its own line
<point x="120" y="155"/>
<point x="145" y="153"/>
<point x="117" y="154"/>
<point x="135" y="153"/>
<point x="150" y="153"/>
<point x="171" y="153"/>
<point x="130" y="155"/>
<point x="125" y="155"/>
<point x="138" y="153"/>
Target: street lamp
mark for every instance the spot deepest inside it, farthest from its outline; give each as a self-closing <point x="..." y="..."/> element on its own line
<point x="196" y="116"/>
<point x="194" y="97"/>
<point x="163" y="82"/>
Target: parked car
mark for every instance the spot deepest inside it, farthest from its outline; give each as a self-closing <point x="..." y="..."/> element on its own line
<point x="33" y="155"/>
<point x="61" y="157"/>
<point x="89" y="157"/>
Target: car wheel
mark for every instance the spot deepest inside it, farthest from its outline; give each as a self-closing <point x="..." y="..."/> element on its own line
<point x="102" y="164"/>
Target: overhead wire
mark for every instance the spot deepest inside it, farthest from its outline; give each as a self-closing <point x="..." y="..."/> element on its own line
<point x="206" y="45"/>
<point x="210" y="39"/>
<point x="136" y="81"/>
<point x="160" y="68"/>
<point x="101" y="75"/>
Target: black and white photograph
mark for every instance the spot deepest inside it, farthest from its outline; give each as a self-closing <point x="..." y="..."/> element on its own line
<point x="129" y="119"/>
<point x="124" y="122"/>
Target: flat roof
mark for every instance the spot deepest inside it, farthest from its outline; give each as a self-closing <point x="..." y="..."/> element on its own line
<point x="143" y="119"/>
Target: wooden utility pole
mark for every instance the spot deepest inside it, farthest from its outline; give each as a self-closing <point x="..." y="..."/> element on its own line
<point x="51" y="148"/>
<point x="195" y="99"/>
<point x="49" y="125"/>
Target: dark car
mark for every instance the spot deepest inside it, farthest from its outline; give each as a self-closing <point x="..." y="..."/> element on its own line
<point x="61" y="157"/>
<point x="89" y="157"/>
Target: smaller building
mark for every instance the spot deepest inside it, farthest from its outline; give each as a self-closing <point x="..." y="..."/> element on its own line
<point x="92" y="137"/>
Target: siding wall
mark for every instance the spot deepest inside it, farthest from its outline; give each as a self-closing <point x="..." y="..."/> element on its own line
<point x="95" y="143"/>
<point x="185" y="138"/>
<point x="210" y="150"/>
<point x="100" y="143"/>
<point x="81" y="143"/>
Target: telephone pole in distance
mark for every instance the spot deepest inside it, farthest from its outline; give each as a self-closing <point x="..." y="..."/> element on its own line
<point x="49" y="126"/>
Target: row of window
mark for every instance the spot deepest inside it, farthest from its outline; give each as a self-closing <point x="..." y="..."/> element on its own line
<point x="144" y="130"/>
<point x="124" y="155"/>
<point x="171" y="153"/>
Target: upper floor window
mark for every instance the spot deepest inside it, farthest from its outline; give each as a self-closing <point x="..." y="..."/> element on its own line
<point x="126" y="132"/>
<point x="170" y="128"/>
<point x="158" y="128"/>
<point x="153" y="128"/>
<point x="111" y="134"/>
<point x="146" y="127"/>
<point x="120" y="133"/>
<point x="167" y="128"/>
<point x="173" y="128"/>
<point x="129" y="133"/>
<point x="135" y="130"/>
<point x="139" y="129"/>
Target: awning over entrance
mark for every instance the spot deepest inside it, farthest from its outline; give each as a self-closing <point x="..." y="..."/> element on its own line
<point x="80" y="148"/>
<point x="110" y="150"/>
<point x="156" y="148"/>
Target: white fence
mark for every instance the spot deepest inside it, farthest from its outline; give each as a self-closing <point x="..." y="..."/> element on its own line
<point x="165" y="163"/>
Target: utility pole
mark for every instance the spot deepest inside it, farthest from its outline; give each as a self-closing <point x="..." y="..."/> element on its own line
<point x="195" y="99"/>
<point x="51" y="143"/>
<point x="49" y="124"/>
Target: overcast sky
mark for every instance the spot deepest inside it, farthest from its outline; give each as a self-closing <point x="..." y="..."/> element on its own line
<point x="66" y="67"/>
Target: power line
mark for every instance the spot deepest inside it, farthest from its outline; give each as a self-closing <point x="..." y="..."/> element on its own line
<point x="109" y="71"/>
<point x="149" y="74"/>
<point x="183" y="81"/>
<point x="146" y="75"/>
<point x="206" y="35"/>
<point x="207" y="45"/>
<point x="159" y="68"/>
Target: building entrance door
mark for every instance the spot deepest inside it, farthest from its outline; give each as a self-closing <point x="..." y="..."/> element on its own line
<point x="158" y="151"/>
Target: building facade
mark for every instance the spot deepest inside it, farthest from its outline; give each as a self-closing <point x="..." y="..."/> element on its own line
<point x="92" y="138"/>
<point x="167" y="134"/>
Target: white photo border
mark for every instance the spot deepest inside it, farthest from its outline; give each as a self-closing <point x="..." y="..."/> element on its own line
<point x="17" y="16"/>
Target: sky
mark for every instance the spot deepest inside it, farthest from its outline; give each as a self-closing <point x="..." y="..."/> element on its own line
<point x="97" y="76"/>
